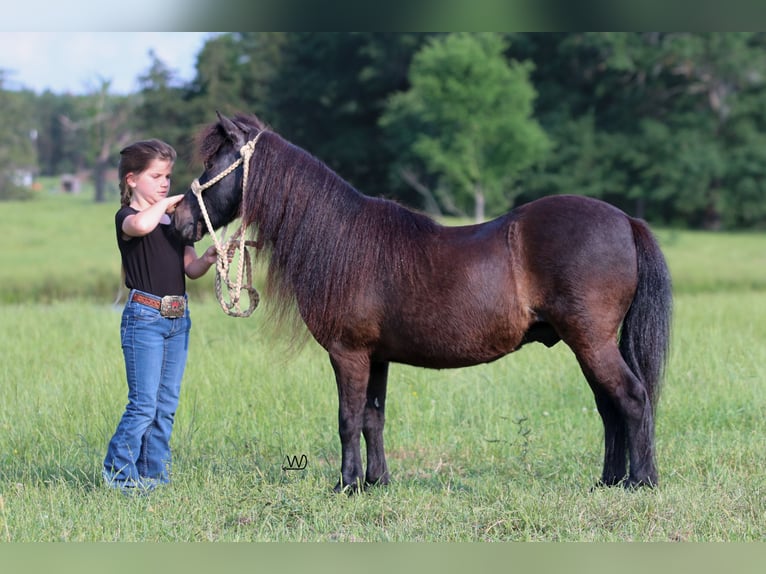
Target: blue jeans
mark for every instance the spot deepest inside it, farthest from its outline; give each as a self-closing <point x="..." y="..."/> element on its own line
<point x="155" y="350"/>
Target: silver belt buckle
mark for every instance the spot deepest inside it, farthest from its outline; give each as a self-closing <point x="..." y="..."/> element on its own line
<point x="173" y="306"/>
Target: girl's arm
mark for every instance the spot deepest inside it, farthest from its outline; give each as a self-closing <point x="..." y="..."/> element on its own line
<point x="144" y="222"/>
<point x="195" y="267"/>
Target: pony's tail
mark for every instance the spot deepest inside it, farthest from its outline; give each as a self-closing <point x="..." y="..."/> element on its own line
<point x="645" y="333"/>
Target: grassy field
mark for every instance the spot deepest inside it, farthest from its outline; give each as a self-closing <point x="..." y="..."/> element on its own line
<point x="502" y="452"/>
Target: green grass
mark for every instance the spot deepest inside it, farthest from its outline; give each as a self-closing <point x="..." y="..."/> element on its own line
<point x="501" y="452"/>
<point x="704" y="262"/>
<point x="58" y="246"/>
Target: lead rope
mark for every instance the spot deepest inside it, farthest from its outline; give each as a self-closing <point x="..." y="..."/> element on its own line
<point x="226" y="250"/>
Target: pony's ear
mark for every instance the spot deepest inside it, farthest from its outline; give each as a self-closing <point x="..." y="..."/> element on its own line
<point x="235" y="133"/>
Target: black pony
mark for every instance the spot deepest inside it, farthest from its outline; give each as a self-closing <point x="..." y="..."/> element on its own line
<point x="376" y="283"/>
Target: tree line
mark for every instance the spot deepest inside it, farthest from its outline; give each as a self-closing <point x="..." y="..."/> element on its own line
<point x="670" y="127"/>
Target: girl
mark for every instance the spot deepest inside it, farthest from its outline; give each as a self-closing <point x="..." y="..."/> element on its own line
<point x="155" y="322"/>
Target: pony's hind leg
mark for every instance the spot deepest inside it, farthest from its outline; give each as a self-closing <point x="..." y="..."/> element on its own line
<point x="615" y="440"/>
<point x="374" y="420"/>
<point x="626" y="411"/>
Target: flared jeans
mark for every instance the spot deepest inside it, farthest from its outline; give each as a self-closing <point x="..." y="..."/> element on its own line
<point x="155" y="350"/>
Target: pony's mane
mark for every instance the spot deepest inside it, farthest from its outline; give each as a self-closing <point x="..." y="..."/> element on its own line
<point x="325" y="241"/>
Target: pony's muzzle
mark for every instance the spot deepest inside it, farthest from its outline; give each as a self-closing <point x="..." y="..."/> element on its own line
<point x="185" y="224"/>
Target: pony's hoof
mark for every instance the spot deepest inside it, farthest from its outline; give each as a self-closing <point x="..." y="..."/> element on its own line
<point x="634" y="484"/>
<point x="371" y="483"/>
<point x="343" y="487"/>
<point x="608" y="483"/>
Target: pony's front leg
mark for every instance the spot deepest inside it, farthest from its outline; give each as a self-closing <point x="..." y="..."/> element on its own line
<point x="352" y="372"/>
<point x="374" y="420"/>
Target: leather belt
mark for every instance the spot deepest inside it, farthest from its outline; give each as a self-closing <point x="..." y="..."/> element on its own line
<point x="172" y="306"/>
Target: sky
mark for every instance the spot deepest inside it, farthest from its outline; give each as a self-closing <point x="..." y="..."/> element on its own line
<point x="77" y="62"/>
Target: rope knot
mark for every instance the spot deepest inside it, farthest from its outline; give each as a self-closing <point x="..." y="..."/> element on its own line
<point x="248" y="149"/>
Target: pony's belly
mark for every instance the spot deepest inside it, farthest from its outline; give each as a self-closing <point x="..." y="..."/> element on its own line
<point x="444" y="361"/>
<point x="443" y="351"/>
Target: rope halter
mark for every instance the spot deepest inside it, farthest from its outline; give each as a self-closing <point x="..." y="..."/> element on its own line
<point x="226" y="250"/>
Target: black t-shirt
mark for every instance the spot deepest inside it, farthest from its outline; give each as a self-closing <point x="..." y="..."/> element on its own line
<point x="153" y="263"/>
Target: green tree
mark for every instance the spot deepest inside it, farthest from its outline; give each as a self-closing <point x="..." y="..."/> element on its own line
<point x="104" y="127"/>
<point x="468" y="116"/>
<point x="666" y="125"/>
<point x="18" y="158"/>
<point x="329" y="93"/>
<point x="235" y="72"/>
<point x="219" y="79"/>
<point x="58" y="148"/>
<point x="165" y="110"/>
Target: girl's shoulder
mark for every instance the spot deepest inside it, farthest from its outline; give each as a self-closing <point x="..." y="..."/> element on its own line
<point x="119" y="217"/>
<point x="123" y="212"/>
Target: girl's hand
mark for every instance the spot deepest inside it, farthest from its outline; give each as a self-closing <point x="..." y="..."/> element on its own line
<point x="171" y="202"/>
<point x="210" y="256"/>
